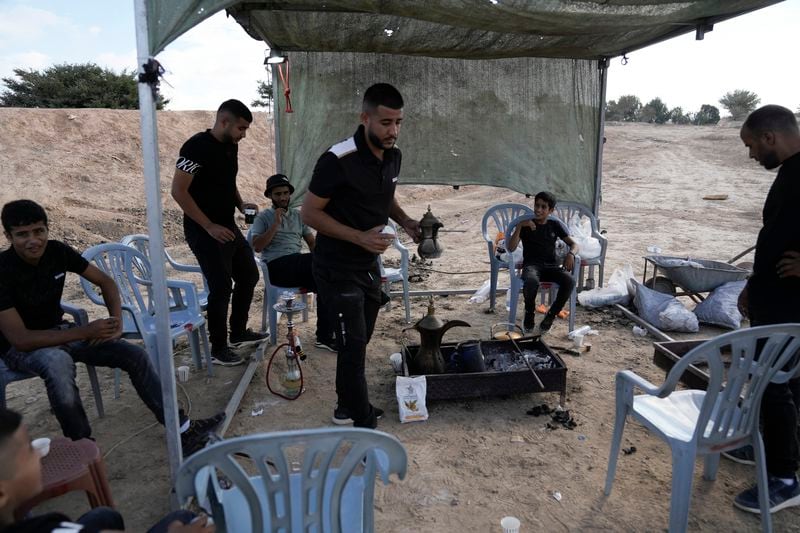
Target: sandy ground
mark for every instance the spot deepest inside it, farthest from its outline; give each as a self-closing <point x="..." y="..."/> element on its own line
<point x="472" y="462"/>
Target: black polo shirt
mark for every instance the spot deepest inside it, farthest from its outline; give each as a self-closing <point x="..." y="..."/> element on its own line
<point x="773" y="299"/>
<point x="213" y="166"/>
<point x="360" y="188"/>
<point x="539" y="247"/>
<point x="35" y="291"/>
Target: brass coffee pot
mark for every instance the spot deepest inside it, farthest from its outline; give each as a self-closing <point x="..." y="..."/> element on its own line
<point x="429" y="247"/>
<point x="431" y="329"/>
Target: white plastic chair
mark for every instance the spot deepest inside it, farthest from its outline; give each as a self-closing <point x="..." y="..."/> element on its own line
<point x="305" y="480"/>
<point x="565" y="212"/>
<point x="271" y="295"/>
<point x="391" y="275"/>
<point x="142" y="243"/>
<point x="496" y="220"/>
<point x="721" y="418"/>
<point x="8" y="376"/>
<point x="545" y="287"/>
<point x="130" y="270"/>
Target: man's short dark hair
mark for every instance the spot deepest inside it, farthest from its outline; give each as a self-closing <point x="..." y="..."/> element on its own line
<point x="547" y="197"/>
<point x="771" y="118"/>
<point x="22" y="213"/>
<point x="235" y="108"/>
<point x="382" y="94"/>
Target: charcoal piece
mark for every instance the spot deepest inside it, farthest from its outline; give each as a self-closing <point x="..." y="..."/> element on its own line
<point x="628" y="451"/>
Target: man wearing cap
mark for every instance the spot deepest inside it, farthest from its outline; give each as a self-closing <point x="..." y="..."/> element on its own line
<point x="276" y="233"/>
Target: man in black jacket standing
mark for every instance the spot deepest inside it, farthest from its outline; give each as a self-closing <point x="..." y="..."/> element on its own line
<point x="349" y="201"/>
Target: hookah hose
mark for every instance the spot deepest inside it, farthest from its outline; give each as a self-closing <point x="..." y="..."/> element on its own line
<point x="269" y="366"/>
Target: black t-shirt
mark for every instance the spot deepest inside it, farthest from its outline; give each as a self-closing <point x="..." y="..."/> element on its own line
<point x="361" y="189"/>
<point x="539" y="247"/>
<point x="35" y="291"/>
<point x="214" y="166"/>
<point x="773" y="299"/>
<point x="47" y="523"/>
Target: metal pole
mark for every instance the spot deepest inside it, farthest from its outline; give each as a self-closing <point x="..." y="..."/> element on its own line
<point x="276" y="135"/>
<point x="149" y="134"/>
<point x="602" y="65"/>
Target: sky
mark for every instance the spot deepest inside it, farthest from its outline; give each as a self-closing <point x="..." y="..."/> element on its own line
<point x="217" y="60"/>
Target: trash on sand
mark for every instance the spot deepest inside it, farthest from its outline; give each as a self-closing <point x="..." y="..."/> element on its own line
<point x="628" y="451"/>
<point x="257" y="412"/>
<point x="556" y="495"/>
<point x="639" y="332"/>
<point x="517" y="438"/>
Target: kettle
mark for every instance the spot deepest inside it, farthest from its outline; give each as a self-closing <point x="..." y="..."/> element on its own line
<point x="431" y="328"/>
<point x="429" y="247"/>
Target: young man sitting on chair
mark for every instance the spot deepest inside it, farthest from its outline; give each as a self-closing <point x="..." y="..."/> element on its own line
<point x="539" y="263"/>
<point x="35" y="338"/>
<point x="277" y="234"/>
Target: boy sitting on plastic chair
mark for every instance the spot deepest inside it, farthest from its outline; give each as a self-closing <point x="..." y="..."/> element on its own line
<point x="539" y="262"/>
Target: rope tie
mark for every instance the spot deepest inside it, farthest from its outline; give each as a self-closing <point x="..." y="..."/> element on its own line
<point x="287" y="91"/>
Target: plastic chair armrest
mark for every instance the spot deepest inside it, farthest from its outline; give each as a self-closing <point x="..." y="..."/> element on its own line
<point x="639" y="382"/>
<point x="78" y="315"/>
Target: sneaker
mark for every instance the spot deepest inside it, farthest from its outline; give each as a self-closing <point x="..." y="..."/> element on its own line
<point x="247" y="337"/>
<point x="207" y="425"/>
<point x="225" y="357"/>
<point x="744" y="455"/>
<point x="547" y="323"/>
<point x="781" y="496"/>
<point x="327" y="345"/>
<point x="341" y="416"/>
<point x="527" y="323"/>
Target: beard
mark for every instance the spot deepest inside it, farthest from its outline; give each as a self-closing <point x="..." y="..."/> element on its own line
<point x="378" y="142"/>
<point x="770" y="161"/>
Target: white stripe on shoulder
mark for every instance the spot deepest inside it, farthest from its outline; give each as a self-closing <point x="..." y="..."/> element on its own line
<point x="341" y="149"/>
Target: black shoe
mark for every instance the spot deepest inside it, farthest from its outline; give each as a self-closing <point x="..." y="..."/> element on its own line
<point x="327" y="345"/>
<point x="341" y="416"/>
<point x="225" y="357"/>
<point x="547" y="323"/>
<point x="207" y="425"/>
<point x="527" y="323"/>
<point x="744" y="455"/>
<point x="780" y="496"/>
<point x="247" y="337"/>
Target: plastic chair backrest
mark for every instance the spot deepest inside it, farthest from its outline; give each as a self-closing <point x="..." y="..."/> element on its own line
<point x="322" y="461"/>
<point x="501" y="215"/>
<point x="758" y="355"/>
<point x="567" y="210"/>
<point x="128" y="268"/>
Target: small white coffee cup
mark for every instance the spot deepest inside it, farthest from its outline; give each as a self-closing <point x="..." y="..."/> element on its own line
<point x="42" y="446"/>
<point x="577" y="340"/>
<point x="510" y="524"/>
<point x="182" y="373"/>
<point x="397" y="362"/>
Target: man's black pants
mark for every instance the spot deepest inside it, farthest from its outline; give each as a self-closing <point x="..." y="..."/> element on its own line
<point x="295" y="270"/>
<point x="533" y="275"/>
<point x="352" y="299"/>
<point x="230" y="269"/>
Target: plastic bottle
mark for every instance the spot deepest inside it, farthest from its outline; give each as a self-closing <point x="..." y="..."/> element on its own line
<point x="583" y="330"/>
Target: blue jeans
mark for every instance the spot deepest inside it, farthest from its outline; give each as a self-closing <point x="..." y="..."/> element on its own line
<point x="56" y="366"/>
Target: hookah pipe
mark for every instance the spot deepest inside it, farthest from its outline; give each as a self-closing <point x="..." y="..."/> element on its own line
<point x="293" y="347"/>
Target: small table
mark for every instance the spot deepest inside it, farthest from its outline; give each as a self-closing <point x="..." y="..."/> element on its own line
<point x="72" y="465"/>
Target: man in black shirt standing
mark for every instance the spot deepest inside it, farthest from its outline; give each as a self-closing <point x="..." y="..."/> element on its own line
<point x="770" y="297"/>
<point x="204" y="186"/>
<point x="34" y="338"/>
<point x="349" y="201"/>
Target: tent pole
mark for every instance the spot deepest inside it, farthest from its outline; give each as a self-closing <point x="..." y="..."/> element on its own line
<point x="152" y="187"/>
<point x="602" y="66"/>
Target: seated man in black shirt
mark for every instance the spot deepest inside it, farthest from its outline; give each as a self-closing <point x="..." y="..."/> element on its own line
<point x="35" y="338"/>
<point x="539" y="263"/>
<point x="21" y="480"/>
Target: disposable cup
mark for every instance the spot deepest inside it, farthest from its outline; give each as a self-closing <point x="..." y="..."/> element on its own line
<point x="578" y="341"/>
<point x="510" y="524"/>
<point x="249" y="215"/>
<point x="42" y="446"/>
<point x="183" y="373"/>
<point x="397" y="362"/>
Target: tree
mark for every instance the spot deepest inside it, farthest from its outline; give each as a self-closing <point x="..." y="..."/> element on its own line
<point x="740" y="103"/>
<point x="73" y="86"/>
<point x="708" y="114"/>
<point x="677" y="116"/>
<point x="265" y="95"/>
<point x="655" y="111"/>
<point x="626" y="109"/>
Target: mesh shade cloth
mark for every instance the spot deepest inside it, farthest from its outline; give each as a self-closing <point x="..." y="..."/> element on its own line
<point x="526" y="124"/>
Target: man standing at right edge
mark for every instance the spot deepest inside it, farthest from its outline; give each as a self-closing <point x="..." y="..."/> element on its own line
<point x="349" y="201"/>
<point x="772" y="136"/>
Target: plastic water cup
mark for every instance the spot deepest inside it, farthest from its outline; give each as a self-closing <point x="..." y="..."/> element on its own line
<point x="577" y="340"/>
<point x="42" y="446"/>
<point x="183" y="373"/>
<point x="510" y="524"/>
<point x="397" y="362"/>
<point x="249" y="215"/>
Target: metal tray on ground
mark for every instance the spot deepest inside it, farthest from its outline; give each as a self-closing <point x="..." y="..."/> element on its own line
<point x="460" y="386"/>
<point x="666" y="354"/>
